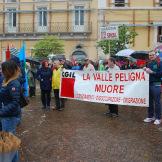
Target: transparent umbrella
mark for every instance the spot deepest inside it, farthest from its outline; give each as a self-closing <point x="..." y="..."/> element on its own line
<point x="125" y="52"/>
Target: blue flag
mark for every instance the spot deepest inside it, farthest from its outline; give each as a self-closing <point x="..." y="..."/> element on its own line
<point x="22" y="58"/>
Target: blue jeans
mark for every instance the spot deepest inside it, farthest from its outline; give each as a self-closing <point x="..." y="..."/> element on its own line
<point x="9" y="125"/>
<point x="154" y="102"/>
<point x="0" y="125"/>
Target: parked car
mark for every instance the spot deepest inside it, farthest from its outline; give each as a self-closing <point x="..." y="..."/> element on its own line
<point x="56" y="57"/>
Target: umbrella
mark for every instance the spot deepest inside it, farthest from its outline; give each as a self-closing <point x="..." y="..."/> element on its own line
<point x="125" y="52"/>
<point x="158" y="48"/>
<point x="160" y="55"/>
<point x="32" y="60"/>
<point x="120" y="58"/>
<point x="57" y="57"/>
<point x="142" y="55"/>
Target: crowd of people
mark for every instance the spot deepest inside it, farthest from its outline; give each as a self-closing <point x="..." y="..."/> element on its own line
<point x="49" y="76"/>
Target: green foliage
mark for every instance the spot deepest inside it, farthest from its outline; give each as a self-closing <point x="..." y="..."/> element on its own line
<point x="126" y="37"/>
<point x="49" y="45"/>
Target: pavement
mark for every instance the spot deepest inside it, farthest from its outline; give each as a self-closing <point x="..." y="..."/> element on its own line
<point x="82" y="133"/>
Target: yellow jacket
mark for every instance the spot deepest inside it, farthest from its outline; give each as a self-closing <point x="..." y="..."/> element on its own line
<point x="56" y="78"/>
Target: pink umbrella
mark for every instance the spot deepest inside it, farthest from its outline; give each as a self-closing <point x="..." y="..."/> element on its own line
<point x="158" y="48"/>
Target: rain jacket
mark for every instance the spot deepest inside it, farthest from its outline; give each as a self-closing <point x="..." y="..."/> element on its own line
<point x="156" y="67"/>
<point x="31" y="80"/>
<point x="56" y="77"/>
<point x="44" y="75"/>
<point x="10" y="97"/>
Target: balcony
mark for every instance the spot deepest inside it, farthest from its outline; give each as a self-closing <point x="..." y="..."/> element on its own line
<point x="51" y="28"/>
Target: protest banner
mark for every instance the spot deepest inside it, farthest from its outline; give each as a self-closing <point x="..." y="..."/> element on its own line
<point x="109" y="33"/>
<point x="123" y="87"/>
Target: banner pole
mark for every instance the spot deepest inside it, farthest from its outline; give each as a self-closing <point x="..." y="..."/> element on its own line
<point x="109" y="47"/>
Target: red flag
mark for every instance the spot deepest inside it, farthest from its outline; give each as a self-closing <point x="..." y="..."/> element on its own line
<point x="67" y="87"/>
<point x="8" y="53"/>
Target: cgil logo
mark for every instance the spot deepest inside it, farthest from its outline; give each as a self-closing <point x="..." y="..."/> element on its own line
<point x="68" y="74"/>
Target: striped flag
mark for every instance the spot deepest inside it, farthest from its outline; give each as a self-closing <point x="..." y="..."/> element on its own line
<point x="14" y="51"/>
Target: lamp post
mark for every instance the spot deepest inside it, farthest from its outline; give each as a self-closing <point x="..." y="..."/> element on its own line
<point x="31" y="52"/>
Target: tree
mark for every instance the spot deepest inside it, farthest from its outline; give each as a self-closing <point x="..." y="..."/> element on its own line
<point x="126" y="37"/>
<point x="49" y="45"/>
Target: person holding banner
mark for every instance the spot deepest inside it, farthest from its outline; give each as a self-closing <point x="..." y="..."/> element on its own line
<point x="56" y="85"/>
<point x="113" y="109"/>
<point x="88" y="66"/>
<point x="154" y="69"/>
<point x="101" y="66"/>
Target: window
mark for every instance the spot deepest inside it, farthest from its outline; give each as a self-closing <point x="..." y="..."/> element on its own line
<point x="160" y="3"/>
<point x="79" y="55"/>
<point x="11" y="18"/>
<point x="10" y="0"/>
<point x="119" y="3"/>
<point x="160" y="34"/>
<point x="79" y="15"/>
<point x="41" y="0"/>
<point x="42" y="16"/>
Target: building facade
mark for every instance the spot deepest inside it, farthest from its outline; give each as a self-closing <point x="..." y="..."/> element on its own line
<point x="144" y="16"/>
<point x="78" y="22"/>
<point x="30" y="20"/>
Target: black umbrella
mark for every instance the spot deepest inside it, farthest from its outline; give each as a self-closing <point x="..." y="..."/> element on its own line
<point x="32" y="61"/>
<point x="58" y="57"/>
<point x="142" y="55"/>
<point x="119" y="58"/>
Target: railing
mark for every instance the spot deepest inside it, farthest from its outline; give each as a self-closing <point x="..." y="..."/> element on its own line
<point x="119" y="4"/>
<point x="52" y="27"/>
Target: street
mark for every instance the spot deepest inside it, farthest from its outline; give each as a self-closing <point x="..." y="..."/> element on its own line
<point x="82" y="133"/>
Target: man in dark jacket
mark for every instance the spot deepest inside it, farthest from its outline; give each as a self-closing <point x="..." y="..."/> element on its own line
<point x="154" y="69"/>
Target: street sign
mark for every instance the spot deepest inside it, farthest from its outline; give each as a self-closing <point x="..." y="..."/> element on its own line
<point x="109" y="33"/>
